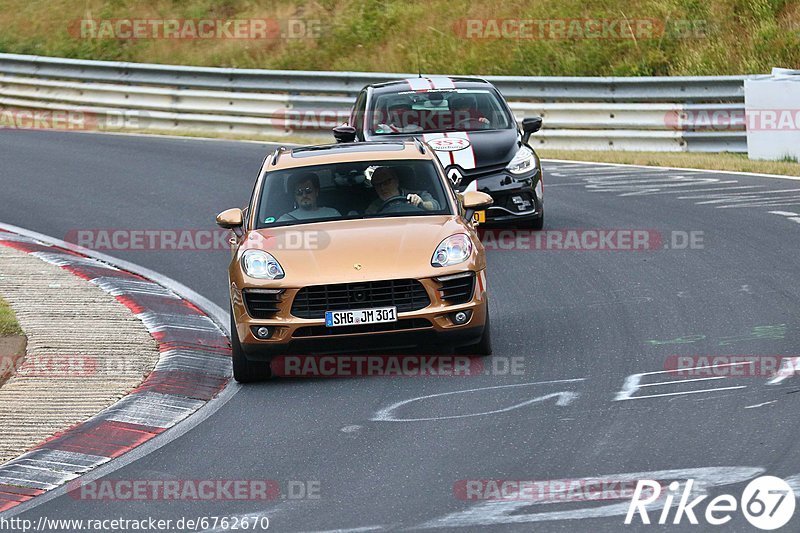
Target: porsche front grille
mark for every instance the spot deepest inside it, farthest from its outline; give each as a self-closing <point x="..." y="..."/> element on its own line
<point x="405" y="294"/>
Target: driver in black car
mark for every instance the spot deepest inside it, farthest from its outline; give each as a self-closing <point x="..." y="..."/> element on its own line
<point x="387" y="186"/>
<point x="464" y="111"/>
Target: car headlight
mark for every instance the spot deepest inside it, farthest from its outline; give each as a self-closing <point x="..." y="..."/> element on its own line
<point x="259" y="264"/>
<point x="522" y="162"/>
<point x="453" y="250"/>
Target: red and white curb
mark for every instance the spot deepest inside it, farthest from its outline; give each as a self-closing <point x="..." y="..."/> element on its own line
<point x="193" y="367"/>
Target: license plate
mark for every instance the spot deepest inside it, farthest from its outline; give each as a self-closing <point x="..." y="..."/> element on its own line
<point x="479" y="217"/>
<point x="360" y="316"/>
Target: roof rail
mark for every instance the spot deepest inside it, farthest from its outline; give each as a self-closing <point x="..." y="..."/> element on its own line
<point x="277" y="153"/>
<point x="419" y="145"/>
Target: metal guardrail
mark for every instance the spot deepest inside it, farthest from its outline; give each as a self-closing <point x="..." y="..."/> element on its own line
<point x="656" y="113"/>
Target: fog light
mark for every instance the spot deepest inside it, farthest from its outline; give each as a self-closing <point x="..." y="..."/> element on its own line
<point x="262" y="332"/>
<point x="461" y="317"/>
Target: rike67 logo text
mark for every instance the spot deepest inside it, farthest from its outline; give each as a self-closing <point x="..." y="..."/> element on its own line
<point x="767" y="502"/>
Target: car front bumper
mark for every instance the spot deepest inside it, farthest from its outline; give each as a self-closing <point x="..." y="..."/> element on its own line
<point x="431" y="327"/>
<point x="515" y="199"/>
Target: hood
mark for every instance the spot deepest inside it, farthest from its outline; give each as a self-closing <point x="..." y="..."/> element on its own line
<point x="489" y="148"/>
<point x="384" y="248"/>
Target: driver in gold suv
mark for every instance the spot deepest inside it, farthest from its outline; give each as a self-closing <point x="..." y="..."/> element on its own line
<point x="387" y="186"/>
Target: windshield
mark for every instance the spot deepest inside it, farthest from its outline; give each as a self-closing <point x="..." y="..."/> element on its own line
<point x="364" y="189"/>
<point x="438" y="111"/>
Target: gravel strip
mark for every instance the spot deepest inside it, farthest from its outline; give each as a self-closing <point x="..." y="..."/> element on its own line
<point x="85" y="351"/>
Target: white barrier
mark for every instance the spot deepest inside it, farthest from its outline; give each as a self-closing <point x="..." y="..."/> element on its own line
<point x="653" y="114"/>
<point x="772" y="107"/>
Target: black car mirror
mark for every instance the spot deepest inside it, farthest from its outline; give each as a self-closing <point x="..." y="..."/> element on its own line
<point x="530" y="125"/>
<point x="344" y="134"/>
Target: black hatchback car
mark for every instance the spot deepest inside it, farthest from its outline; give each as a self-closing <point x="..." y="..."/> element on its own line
<point x="473" y="132"/>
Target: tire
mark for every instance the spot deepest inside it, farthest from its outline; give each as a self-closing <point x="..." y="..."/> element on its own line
<point x="537" y="223"/>
<point x="483" y="347"/>
<point x="245" y="371"/>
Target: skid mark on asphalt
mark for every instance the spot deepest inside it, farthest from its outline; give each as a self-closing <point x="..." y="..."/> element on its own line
<point x="633" y="384"/>
<point x="789" y="367"/>
<point x="760" y="404"/>
<point x="702" y="189"/>
<point x="563" y="398"/>
<point x="794" y="217"/>
<point x="353" y="530"/>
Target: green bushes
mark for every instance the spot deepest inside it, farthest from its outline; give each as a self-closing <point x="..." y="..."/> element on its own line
<point x="688" y="37"/>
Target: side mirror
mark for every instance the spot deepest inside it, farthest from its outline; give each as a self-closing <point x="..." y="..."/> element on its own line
<point x="530" y="125"/>
<point x="230" y="219"/>
<point x="474" y="200"/>
<point x="344" y="134"/>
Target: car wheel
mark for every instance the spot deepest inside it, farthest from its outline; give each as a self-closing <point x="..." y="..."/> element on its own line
<point x="245" y="371"/>
<point x="484" y="346"/>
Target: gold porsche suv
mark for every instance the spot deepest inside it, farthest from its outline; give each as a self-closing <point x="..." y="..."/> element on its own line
<point x="349" y="248"/>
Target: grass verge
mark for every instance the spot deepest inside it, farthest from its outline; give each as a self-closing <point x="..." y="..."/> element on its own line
<point x="511" y="37"/>
<point x="8" y="321"/>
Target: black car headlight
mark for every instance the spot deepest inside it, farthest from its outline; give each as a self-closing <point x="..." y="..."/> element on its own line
<point x="522" y="162"/>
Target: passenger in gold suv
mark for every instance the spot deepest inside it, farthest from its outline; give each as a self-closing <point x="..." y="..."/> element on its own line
<point x="306" y="192"/>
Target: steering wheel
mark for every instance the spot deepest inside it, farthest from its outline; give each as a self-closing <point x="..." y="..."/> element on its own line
<point x="391" y="204"/>
<point x="470" y="123"/>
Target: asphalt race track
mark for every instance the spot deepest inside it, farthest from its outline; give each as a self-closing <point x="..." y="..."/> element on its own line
<point x="583" y="323"/>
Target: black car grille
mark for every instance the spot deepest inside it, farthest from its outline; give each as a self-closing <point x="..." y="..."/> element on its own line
<point x="507" y="201"/>
<point x="405" y="294"/>
<point x="400" y="325"/>
<point x="262" y="303"/>
<point x="457" y="290"/>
